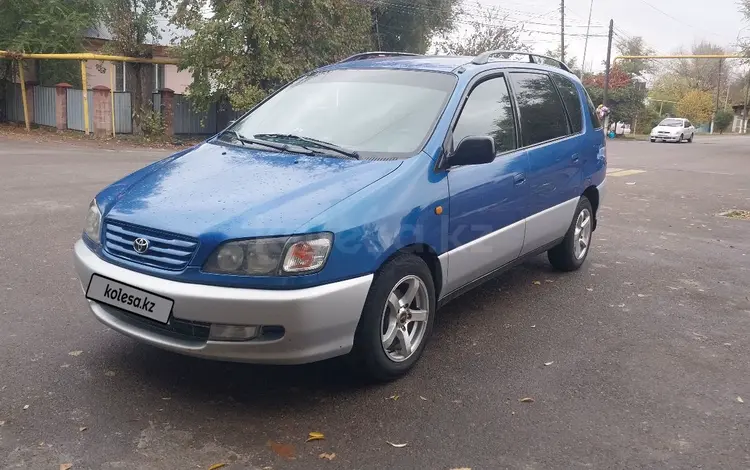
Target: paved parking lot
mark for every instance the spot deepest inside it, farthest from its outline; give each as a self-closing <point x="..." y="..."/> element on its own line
<point x="648" y="346"/>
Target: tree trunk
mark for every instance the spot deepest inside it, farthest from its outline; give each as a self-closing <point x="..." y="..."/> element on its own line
<point x="141" y="94"/>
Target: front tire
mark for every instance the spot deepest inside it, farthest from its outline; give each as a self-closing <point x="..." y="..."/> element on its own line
<point x="396" y="320"/>
<point x="682" y="137"/>
<point x="690" y="140"/>
<point x="570" y="254"/>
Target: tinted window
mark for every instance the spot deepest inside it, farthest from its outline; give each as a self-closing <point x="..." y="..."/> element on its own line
<point x="687" y="124"/>
<point x="540" y="108"/>
<point x="572" y="102"/>
<point x="382" y="113"/>
<point x="488" y="112"/>
<point x="592" y="112"/>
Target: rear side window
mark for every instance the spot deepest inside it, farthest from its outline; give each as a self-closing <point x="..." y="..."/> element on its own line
<point x="488" y="112"/>
<point x="592" y="112"/>
<point x="572" y="101"/>
<point x="541" y="111"/>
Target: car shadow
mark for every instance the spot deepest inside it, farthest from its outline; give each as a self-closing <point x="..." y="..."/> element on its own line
<point x="200" y="380"/>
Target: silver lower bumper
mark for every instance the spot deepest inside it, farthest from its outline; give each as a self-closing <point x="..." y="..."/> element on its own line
<point x="318" y="322"/>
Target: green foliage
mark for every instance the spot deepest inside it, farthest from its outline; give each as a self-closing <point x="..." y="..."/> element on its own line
<point x="152" y="123"/>
<point x="487" y="32"/>
<point x="635" y="46"/>
<point x="697" y="106"/>
<point x="625" y="103"/>
<point x="722" y="120"/>
<point x="249" y="48"/>
<point x="44" y="26"/>
<point x="408" y="26"/>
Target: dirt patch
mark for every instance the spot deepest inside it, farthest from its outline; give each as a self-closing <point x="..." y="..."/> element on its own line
<point x="48" y="134"/>
<point x="736" y="214"/>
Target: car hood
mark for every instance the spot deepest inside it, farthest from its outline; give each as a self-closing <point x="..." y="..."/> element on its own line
<point x="222" y="191"/>
<point x="667" y="129"/>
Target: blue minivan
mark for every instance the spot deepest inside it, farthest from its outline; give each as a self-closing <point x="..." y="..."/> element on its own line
<point x="341" y="212"/>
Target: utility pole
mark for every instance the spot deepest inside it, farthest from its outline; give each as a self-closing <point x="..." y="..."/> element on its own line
<point x="718" y="85"/>
<point x="718" y="92"/>
<point x="586" y="43"/>
<point x="606" y="71"/>
<point x="562" y="31"/>
<point x="743" y="128"/>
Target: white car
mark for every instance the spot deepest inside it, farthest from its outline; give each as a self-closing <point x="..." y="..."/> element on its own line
<point x="673" y="130"/>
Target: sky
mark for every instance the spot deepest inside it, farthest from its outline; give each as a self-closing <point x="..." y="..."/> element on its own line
<point x="665" y="25"/>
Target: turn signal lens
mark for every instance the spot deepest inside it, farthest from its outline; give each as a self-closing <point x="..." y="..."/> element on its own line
<point x="307" y="255"/>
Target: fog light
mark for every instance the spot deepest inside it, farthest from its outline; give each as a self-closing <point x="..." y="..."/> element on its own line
<point x="232" y="332"/>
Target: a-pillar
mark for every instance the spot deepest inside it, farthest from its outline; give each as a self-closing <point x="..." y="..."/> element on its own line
<point x="61" y="105"/>
<point x="102" y="111"/>
<point x="167" y="110"/>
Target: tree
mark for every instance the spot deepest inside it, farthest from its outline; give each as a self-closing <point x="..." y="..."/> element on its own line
<point x="410" y="26"/>
<point x="635" y="46"/>
<point x="51" y="26"/>
<point x="133" y="27"/>
<point x="697" y="106"/>
<point x="570" y="61"/>
<point x="486" y="32"/>
<point x="722" y="120"/>
<point x="246" y="49"/>
<point x="703" y="74"/>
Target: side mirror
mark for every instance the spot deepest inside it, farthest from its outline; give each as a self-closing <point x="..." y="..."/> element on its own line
<point x="473" y="150"/>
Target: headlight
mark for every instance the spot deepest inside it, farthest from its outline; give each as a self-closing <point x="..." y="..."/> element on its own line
<point x="271" y="256"/>
<point x="93" y="226"/>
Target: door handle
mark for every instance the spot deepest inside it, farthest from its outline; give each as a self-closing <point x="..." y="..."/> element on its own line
<point x="574" y="157"/>
<point x="519" y="178"/>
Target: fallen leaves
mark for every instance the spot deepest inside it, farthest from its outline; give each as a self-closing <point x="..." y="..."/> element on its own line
<point x="537" y="283"/>
<point x="327" y="456"/>
<point x="110" y="373"/>
<point x="393" y="397"/>
<point x="66" y="466"/>
<point x="282" y="450"/>
<point x="82" y="428"/>
<point x="422" y="398"/>
<point x="75" y="353"/>
<point x="549" y="363"/>
<point x="25" y="407"/>
<point x="217" y="466"/>
<point x="315" y="436"/>
<point x="398" y="446"/>
<point x="526" y="400"/>
<point x="740" y="400"/>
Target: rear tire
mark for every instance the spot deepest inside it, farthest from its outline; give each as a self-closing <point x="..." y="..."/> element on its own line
<point x="570" y="254"/>
<point x="393" y="331"/>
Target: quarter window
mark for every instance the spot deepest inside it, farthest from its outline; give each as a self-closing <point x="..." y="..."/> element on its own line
<point x="572" y="101"/>
<point x="488" y="112"/>
<point x="539" y="107"/>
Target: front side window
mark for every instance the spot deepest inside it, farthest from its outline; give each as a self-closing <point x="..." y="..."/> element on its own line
<point x="572" y="101"/>
<point x="382" y="113"/>
<point x="488" y="112"/>
<point x="539" y="107"/>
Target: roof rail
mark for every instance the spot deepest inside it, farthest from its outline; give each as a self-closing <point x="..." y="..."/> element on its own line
<point x="484" y="57"/>
<point x="371" y="55"/>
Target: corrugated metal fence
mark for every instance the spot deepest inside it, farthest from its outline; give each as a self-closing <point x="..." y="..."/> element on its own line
<point x="75" y="109"/>
<point x="123" y="113"/>
<point x="13" y="103"/>
<point x="188" y="121"/>
<point x="44" y="106"/>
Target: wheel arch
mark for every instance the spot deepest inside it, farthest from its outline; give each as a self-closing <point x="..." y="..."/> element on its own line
<point x="592" y="194"/>
<point x="428" y="255"/>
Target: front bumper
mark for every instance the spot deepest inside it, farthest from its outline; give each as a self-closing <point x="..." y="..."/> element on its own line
<point x="666" y="138"/>
<point x="318" y="322"/>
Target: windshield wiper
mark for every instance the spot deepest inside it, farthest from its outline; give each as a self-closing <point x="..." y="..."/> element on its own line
<point x="315" y="142"/>
<point x="273" y="145"/>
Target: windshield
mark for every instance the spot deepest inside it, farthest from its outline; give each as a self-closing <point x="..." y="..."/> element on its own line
<point x="383" y="113"/>
<point x="671" y="123"/>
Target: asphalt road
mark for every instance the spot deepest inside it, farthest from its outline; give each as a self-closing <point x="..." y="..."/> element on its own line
<point x="648" y="344"/>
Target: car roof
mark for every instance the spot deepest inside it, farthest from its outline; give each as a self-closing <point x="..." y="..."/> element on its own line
<point x="435" y="63"/>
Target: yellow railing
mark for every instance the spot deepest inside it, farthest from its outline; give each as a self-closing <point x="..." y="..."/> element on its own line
<point x="83" y="57"/>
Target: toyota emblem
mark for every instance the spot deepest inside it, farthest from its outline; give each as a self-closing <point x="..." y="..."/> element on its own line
<point x="140" y="245"/>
